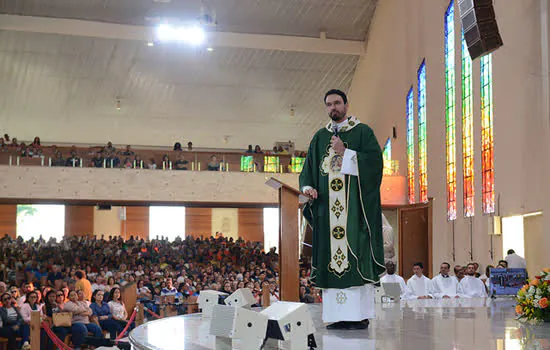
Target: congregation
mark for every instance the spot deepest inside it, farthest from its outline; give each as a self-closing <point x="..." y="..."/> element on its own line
<point x="84" y="275"/>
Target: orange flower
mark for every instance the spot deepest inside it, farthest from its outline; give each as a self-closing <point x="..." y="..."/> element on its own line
<point x="547" y="270"/>
<point x="543" y="303"/>
<point x="519" y="310"/>
<point x="535" y="282"/>
<point x="525" y="287"/>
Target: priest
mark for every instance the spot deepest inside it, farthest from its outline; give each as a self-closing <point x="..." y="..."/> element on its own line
<point x="420" y="285"/>
<point x="445" y="286"/>
<point x="392" y="277"/>
<point x="342" y="176"/>
<point x="471" y="286"/>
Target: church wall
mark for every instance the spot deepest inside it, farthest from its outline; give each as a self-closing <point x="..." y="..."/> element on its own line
<point x="403" y="33"/>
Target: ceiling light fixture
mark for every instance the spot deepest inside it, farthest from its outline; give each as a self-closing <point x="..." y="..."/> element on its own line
<point x="194" y="35"/>
<point x="117" y="104"/>
<point x="150" y="44"/>
<point x="210" y="49"/>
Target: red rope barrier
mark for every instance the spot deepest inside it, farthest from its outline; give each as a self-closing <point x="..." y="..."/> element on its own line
<point x="152" y="313"/>
<point x="55" y="339"/>
<point x="121" y="335"/>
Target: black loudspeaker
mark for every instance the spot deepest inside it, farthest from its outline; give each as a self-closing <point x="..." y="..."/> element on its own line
<point x="480" y="27"/>
<point x="103" y="207"/>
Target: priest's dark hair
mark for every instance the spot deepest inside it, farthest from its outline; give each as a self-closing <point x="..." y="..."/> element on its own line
<point x="446" y="263"/>
<point x="336" y="92"/>
<point x="419" y="264"/>
<point x="511" y="251"/>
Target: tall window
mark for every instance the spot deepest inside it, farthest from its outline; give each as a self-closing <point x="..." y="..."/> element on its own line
<point x="45" y="220"/>
<point x="386" y="156"/>
<point x="167" y="221"/>
<point x="487" y="156"/>
<point x="296" y="164"/>
<point x="410" y="145"/>
<point x="467" y="131"/>
<point x="450" y="117"/>
<point x="422" y="142"/>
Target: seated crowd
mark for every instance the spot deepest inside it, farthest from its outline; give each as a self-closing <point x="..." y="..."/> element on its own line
<point x="84" y="276"/>
<point x="109" y="156"/>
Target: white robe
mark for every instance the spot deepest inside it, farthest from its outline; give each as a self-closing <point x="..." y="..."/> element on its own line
<point x="405" y="292"/>
<point x="471" y="287"/>
<point x="445" y="286"/>
<point x="420" y="286"/>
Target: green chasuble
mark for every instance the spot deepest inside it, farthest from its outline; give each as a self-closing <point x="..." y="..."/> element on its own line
<point x="346" y="218"/>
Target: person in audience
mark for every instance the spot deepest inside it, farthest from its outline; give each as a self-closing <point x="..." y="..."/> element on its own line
<point x="3" y="288"/>
<point x="117" y="307"/>
<point x="138" y="162"/>
<point x="275" y="150"/>
<point x="81" y="324"/>
<point x="128" y="163"/>
<point x="305" y="296"/>
<point x="83" y="284"/>
<point x="250" y="149"/>
<point x="181" y="163"/>
<point x="515" y="261"/>
<point x="420" y="285"/>
<point x="31" y="304"/>
<point x="392" y="277"/>
<point x="110" y="147"/>
<point x="214" y="164"/>
<point x="471" y="286"/>
<point x="102" y="311"/>
<point x="169" y="289"/>
<point x="60" y="299"/>
<point x="36" y="142"/>
<point x="166" y="161"/>
<point x="14" y="143"/>
<point x="48" y="309"/>
<point x="177" y="146"/>
<point x="111" y="159"/>
<point x="58" y="159"/>
<point x="152" y="164"/>
<point x="11" y="326"/>
<point x="476" y="266"/>
<point x="25" y="289"/>
<point x="502" y="264"/>
<point x="189" y="146"/>
<point x="128" y="151"/>
<point x="7" y="137"/>
<point x="73" y="160"/>
<point x="445" y="286"/>
<point x="258" y="150"/>
<point x="97" y="160"/>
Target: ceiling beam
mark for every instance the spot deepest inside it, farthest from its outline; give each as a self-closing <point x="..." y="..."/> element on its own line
<point x="92" y="29"/>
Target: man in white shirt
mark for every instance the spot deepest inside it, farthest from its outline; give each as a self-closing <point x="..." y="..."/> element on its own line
<point x="445" y="286"/>
<point x="470" y="286"/>
<point x="420" y="285"/>
<point x="515" y="261"/>
<point x="391" y="277"/>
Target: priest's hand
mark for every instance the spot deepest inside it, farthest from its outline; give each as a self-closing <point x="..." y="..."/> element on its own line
<point x="337" y="145"/>
<point x="311" y="193"/>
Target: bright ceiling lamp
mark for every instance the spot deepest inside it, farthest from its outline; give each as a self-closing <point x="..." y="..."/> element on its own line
<point x="194" y="35"/>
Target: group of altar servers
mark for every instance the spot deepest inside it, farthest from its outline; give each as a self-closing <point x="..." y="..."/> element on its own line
<point x="442" y="286"/>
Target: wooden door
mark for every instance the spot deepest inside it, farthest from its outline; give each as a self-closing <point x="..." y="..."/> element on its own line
<point x="415" y="239"/>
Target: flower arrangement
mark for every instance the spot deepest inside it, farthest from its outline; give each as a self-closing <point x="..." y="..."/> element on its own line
<point x="533" y="299"/>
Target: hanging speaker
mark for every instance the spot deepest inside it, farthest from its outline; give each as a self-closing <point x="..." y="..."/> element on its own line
<point x="480" y="27"/>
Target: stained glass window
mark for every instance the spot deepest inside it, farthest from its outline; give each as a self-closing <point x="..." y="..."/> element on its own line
<point x="386" y="156"/>
<point x="487" y="156"/>
<point x="247" y="164"/>
<point x="271" y="164"/>
<point x="450" y="115"/>
<point x="467" y="131"/>
<point x="296" y="164"/>
<point x="410" y="145"/>
<point x="422" y="142"/>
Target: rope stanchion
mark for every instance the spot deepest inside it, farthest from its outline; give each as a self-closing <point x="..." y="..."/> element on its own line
<point x="152" y="313"/>
<point x="54" y="338"/>
<point x="121" y="335"/>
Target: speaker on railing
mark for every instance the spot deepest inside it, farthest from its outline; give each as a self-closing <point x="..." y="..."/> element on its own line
<point x="480" y="27"/>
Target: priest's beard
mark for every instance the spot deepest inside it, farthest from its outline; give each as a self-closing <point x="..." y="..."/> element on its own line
<point x="337" y="116"/>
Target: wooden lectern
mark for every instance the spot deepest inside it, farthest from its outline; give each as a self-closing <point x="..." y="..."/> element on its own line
<point x="128" y="295"/>
<point x="289" y="262"/>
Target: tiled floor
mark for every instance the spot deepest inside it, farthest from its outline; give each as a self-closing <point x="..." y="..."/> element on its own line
<point x="418" y="324"/>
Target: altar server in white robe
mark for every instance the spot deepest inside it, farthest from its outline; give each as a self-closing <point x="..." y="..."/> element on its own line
<point x="420" y="285"/>
<point x="392" y="277"/>
<point x="470" y="286"/>
<point x="445" y="286"/>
